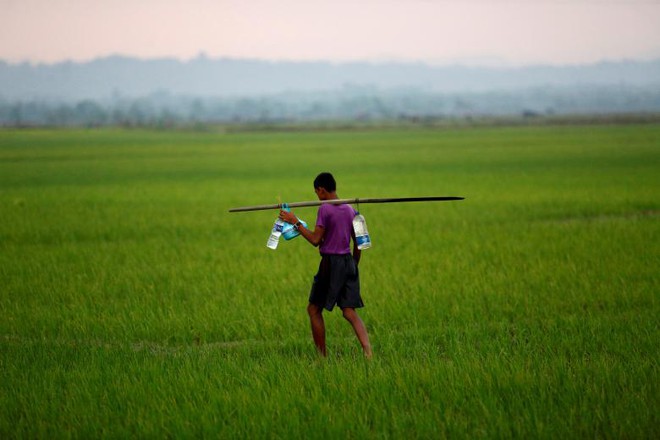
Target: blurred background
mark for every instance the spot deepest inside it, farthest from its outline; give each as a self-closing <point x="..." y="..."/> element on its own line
<point x="174" y="63"/>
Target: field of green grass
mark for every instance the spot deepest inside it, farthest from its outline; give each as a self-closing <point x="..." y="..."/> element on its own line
<point x="133" y="305"/>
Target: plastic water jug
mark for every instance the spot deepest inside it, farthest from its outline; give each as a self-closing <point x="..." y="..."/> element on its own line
<point x="361" y="233"/>
<point x="275" y="234"/>
<point x="283" y="229"/>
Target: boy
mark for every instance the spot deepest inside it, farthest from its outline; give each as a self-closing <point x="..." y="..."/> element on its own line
<point x="337" y="281"/>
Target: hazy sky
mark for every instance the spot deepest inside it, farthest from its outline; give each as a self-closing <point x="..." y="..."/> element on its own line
<point x="471" y="31"/>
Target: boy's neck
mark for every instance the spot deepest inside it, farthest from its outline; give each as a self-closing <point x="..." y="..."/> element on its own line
<point x="325" y="195"/>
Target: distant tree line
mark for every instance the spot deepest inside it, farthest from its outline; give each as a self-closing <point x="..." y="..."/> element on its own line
<point x="162" y="109"/>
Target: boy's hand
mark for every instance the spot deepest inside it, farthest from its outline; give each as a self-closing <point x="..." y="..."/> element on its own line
<point x="288" y="217"/>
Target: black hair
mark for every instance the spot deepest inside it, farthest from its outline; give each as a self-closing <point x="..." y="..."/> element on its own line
<point x="325" y="180"/>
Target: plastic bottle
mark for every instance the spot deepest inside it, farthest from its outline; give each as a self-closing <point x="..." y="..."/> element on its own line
<point x="275" y="234"/>
<point x="283" y="229"/>
<point x="289" y="232"/>
<point x="361" y="233"/>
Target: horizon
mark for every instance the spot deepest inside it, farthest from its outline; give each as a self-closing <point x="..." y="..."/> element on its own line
<point x="500" y="33"/>
<point x="468" y="63"/>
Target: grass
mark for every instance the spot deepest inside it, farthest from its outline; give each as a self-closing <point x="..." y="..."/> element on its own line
<point x="134" y="305"/>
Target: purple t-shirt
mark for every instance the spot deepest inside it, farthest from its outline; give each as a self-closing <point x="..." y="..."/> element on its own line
<point x="337" y="220"/>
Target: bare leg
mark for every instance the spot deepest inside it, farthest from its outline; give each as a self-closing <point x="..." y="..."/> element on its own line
<point x="360" y="330"/>
<point x="318" y="327"/>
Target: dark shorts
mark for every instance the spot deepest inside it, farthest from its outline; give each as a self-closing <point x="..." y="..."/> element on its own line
<point x="337" y="282"/>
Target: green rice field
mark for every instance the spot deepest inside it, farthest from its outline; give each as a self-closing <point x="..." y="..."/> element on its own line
<point x="134" y="305"/>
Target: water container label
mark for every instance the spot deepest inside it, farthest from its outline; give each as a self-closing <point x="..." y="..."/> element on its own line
<point x="362" y="239"/>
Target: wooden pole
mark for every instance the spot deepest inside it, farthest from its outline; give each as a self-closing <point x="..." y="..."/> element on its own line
<point x="345" y="201"/>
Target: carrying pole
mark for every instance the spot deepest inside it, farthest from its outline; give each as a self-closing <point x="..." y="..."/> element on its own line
<point x="345" y="201"/>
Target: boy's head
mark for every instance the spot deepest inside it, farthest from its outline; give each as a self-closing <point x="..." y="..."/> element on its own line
<point x="326" y="182"/>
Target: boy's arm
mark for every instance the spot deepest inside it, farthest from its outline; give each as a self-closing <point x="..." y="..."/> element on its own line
<point x="315" y="237"/>
<point x="357" y="253"/>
